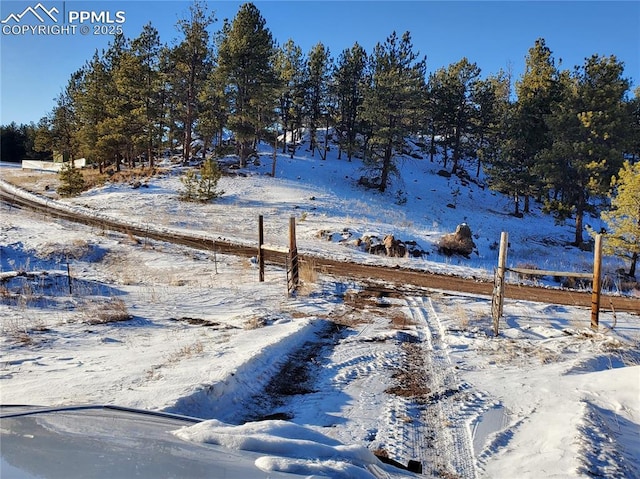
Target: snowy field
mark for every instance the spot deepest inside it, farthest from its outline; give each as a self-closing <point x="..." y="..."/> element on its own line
<point x="155" y="326"/>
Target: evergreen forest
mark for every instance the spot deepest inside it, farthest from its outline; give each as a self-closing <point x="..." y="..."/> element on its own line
<point x="564" y="138"/>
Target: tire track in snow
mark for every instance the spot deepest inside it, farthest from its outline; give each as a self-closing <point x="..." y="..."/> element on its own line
<point x="442" y="438"/>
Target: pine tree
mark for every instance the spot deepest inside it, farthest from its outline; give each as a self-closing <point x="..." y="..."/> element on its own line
<point x="515" y="171"/>
<point x="191" y="64"/>
<point x="318" y="70"/>
<point x="436" y="111"/>
<point x="492" y="99"/>
<point x="459" y="86"/>
<point x="623" y="219"/>
<point x="213" y="114"/>
<point x="210" y="175"/>
<point x="146" y="70"/>
<point x="391" y="103"/>
<point x="632" y="148"/>
<point x="348" y="85"/>
<point x="71" y="180"/>
<point x="118" y="129"/>
<point x="245" y="57"/>
<point x="290" y="66"/>
<point x="89" y="99"/>
<point x="589" y="130"/>
<point x="201" y="185"/>
<point x="170" y="126"/>
<point x="12" y="143"/>
<point x="58" y="130"/>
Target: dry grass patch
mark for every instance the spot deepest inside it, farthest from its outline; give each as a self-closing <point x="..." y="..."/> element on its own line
<point x="513" y="351"/>
<point x="40" y="182"/>
<point x="470" y="320"/>
<point x="103" y="312"/>
<point x="77" y="249"/>
<point x="255" y="322"/>
<point x="308" y="277"/>
<point x="186" y="352"/>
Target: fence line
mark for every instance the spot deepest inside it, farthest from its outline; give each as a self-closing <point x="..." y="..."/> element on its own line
<point x="497" y="300"/>
<point x="291" y="261"/>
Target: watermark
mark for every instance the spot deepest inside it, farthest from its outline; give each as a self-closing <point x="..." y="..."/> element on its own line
<point x="55" y="19"/>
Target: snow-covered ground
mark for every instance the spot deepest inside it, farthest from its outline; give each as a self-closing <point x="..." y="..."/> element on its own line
<point x="156" y="326"/>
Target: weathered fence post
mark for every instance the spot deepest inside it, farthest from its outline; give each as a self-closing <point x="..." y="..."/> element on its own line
<point x="260" y="249"/>
<point x="293" y="255"/>
<point x="595" y="295"/>
<point x="69" y="278"/>
<point x="497" y="301"/>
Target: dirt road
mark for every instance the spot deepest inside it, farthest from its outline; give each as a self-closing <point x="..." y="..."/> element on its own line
<point x="401" y="279"/>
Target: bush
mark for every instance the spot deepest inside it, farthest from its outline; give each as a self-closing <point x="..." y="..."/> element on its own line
<point x="210" y="174"/>
<point x="190" y="183"/>
<point x="202" y="185"/>
<point x="71" y="181"/>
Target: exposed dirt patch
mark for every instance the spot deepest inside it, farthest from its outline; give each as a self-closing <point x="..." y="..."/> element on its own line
<point x="297" y="376"/>
<point x="197" y="321"/>
<point x="411" y="376"/>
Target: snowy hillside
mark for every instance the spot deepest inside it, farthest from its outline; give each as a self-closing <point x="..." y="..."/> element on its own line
<point x="316" y="382"/>
<point x="324" y="195"/>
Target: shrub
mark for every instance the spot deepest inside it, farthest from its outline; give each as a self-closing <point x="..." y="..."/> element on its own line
<point x="190" y="183"/>
<point x="210" y="174"/>
<point x="202" y="185"/>
<point x="71" y="181"/>
<point x="103" y="312"/>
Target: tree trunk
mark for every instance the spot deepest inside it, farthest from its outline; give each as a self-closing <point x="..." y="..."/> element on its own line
<point x="634" y="262"/>
<point x="432" y="147"/>
<point x="326" y="140"/>
<point x="386" y="167"/>
<point x="579" y="220"/>
<point x="245" y="148"/>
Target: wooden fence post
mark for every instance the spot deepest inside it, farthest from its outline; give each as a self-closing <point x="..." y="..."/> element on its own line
<point x="595" y="295"/>
<point x="69" y="278"/>
<point x="260" y="249"/>
<point x="293" y="254"/>
<point x="497" y="301"/>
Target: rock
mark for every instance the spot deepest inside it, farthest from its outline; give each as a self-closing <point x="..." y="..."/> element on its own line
<point x="394" y="247"/>
<point x="460" y="242"/>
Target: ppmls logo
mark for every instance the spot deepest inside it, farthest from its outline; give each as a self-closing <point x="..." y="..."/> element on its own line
<point x="39" y="20"/>
<point x="39" y="12"/>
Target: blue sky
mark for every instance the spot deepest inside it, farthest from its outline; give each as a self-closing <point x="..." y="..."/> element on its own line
<point x="495" y="35"/>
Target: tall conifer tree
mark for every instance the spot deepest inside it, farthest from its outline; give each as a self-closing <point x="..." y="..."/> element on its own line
<point x="192" y="63"/>
<point x="515" y="170"/>
<point x="348" y="85"/>
<point x="395" y="87"/>
<point x="290" y="66"/>
<point x="589" y="128"/>
<point x="245" y="59"/>
<point x="318" y="72"/>
<point x="623" y="218"/>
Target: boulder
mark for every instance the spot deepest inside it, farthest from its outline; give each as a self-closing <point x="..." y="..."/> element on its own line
<point x="393" y="247"/>
<point x="460" y="242"/>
